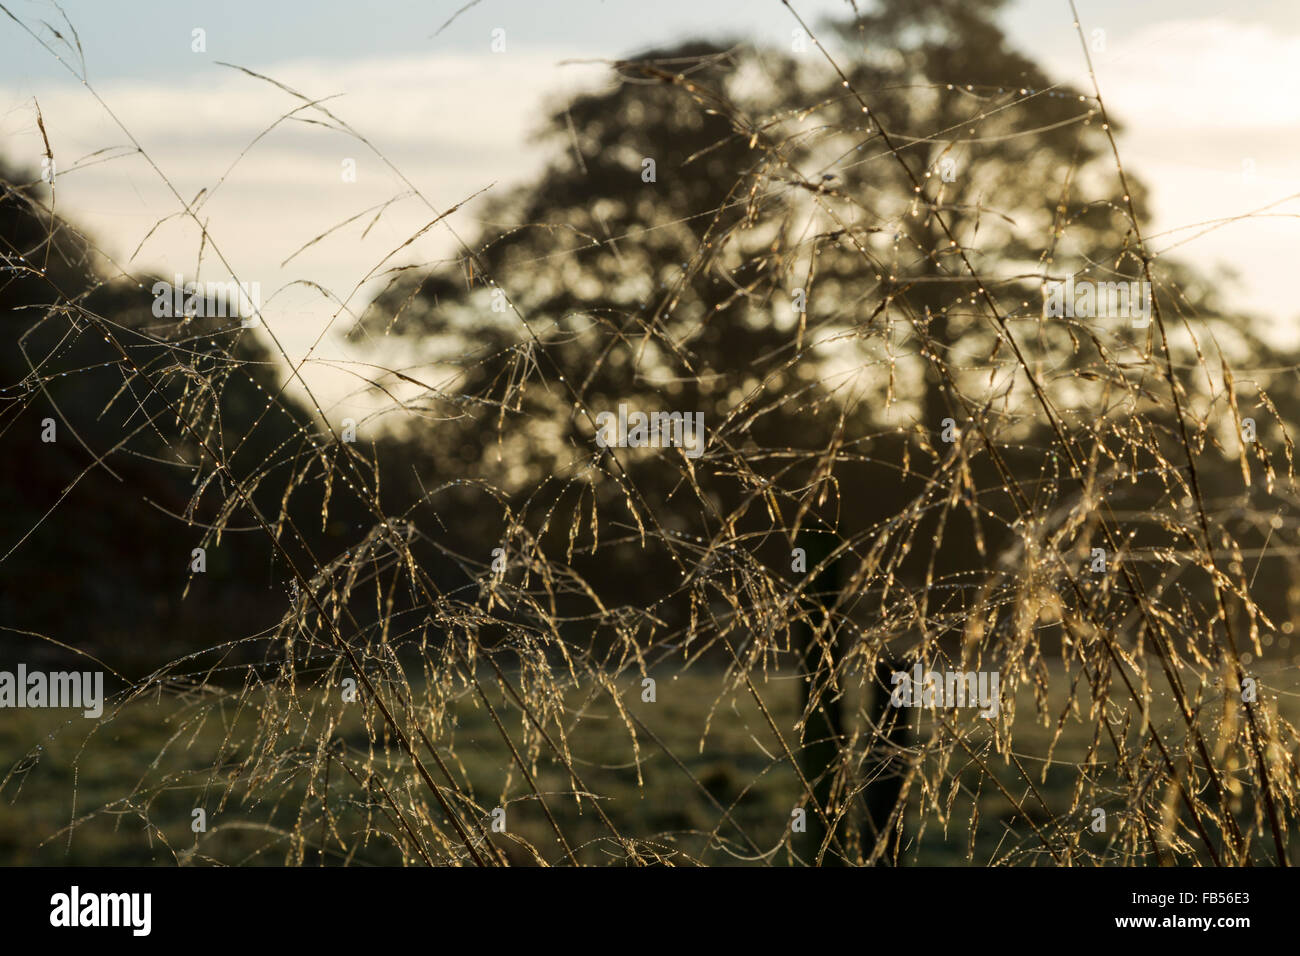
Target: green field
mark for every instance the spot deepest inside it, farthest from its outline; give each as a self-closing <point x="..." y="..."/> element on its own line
<point x="122" y="790"/>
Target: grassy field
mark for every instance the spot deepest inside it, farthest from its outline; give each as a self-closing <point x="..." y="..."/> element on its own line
<point x="122" y="790"/>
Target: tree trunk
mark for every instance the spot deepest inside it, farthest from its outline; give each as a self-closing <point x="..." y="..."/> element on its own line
<point x="823" y="735"/>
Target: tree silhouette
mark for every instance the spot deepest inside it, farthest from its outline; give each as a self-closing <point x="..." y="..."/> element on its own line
<point x="842" y="265"/>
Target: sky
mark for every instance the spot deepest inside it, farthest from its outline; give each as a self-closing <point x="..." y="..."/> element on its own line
<point x="1208" y="94"/>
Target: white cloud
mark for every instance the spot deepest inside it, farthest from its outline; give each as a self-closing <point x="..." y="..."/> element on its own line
<point x="1213" y="74"/>
<point x="452" y="125"/>
<point x="1210" y="110"/>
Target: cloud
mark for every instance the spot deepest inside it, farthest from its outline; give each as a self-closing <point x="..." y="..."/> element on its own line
<point x="1211" y="123"/>
<point x="1213" y="74"/>
<point x="451" y="124"/>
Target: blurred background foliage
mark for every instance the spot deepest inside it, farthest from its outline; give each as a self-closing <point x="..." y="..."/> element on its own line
<point x="916" y="233"/>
